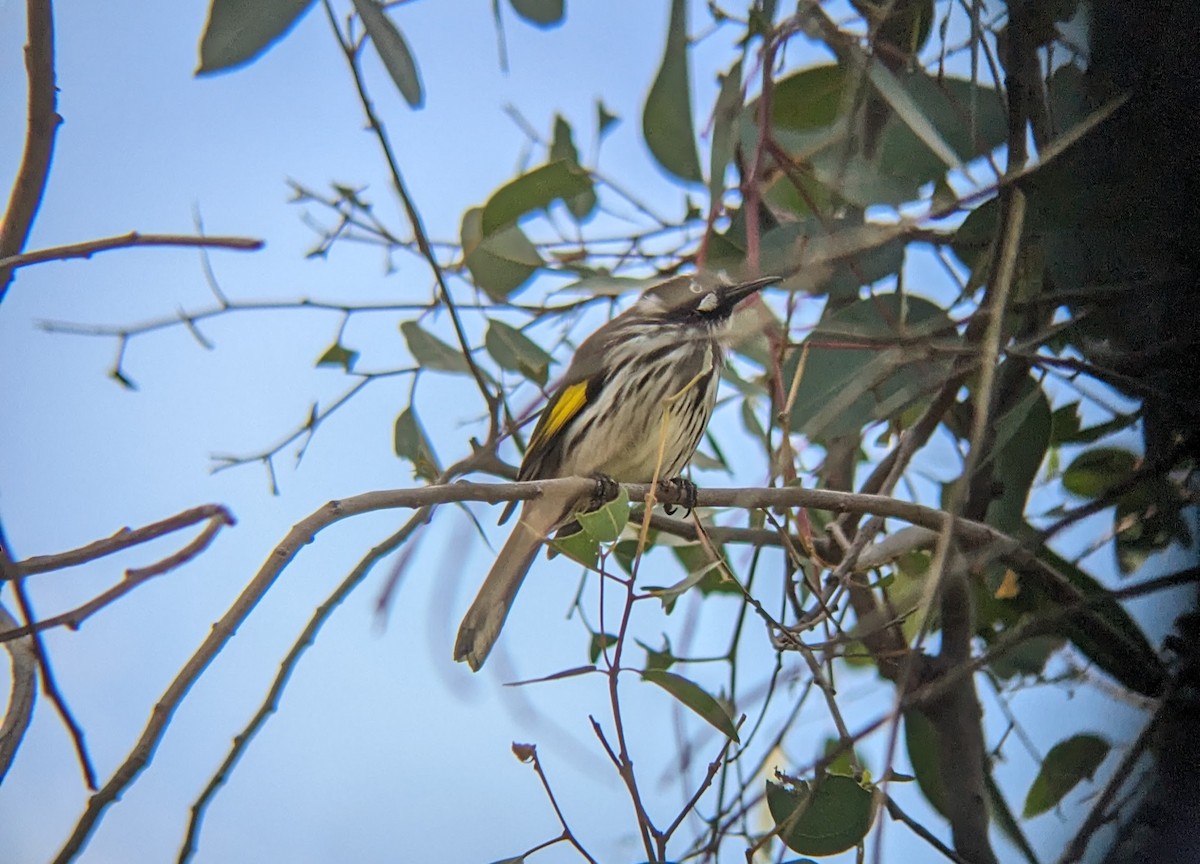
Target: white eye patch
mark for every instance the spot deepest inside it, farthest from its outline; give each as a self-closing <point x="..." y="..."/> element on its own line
<point x="708" y="302"/>
<point x="695" y="287"/>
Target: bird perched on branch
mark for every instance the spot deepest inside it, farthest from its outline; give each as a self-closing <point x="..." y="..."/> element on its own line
<point x="631" y="408"/>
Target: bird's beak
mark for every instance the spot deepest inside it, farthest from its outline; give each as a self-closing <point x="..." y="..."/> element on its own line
<point x="735" y="294"/>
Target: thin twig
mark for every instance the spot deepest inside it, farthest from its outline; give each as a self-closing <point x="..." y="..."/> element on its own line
<point x="49" y="686"/>
<point x="88" y="248"/>
<point x="270" y="702"/>
<point x="217" y="517"/>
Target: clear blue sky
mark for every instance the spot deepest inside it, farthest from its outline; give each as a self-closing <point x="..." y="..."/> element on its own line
<point x="383" y="748"/>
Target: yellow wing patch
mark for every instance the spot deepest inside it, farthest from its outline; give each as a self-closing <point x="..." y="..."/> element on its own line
<point x="565" y="406"/>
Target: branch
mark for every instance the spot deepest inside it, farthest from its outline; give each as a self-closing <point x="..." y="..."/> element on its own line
<point x="88" y="248"/>
<point x="40" y="130"/>
<point x="49" y="686"/>
<point x="21" y="698"/>
<point x="270" y="702"/>
<point x="217" y="516"/>
<point x="335" y="511"/>
<point x="123" y="539"/>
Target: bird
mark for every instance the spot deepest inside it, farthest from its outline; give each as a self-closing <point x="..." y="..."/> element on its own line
<point x="638" y="390"/>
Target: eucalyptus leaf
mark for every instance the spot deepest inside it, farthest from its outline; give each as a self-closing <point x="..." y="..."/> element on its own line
<point x="562" y="148"/>
<point x="534" y="190"/>
<point x="695" y="698"/>
<point x="543" y="13"/>
<point x="413" y="444"/>
<point x="393" y="50"/>
<point x="515" y="351"/>
<point x="836" y="815"/>
<point x="431" y="352"/>
<point x="500" y="263"/>
<point x="237" y="32"/>
<point x="606" y="523"/>
<point x="1066" y="765"/>
<point x="338" y="355"/>
<point x="667" y="117"/>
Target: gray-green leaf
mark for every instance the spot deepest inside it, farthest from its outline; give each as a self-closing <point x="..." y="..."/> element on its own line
<point x="393" y="50"/>
<point x="695" y="698"/>
<point x="1067" y="763"/>
<point x="543" y="13"/>
<point x="535" y="190"/>
<point x="237" y="32"/>
<point x="431" y="352"/>
<point x="836" y="815"/>
<point x="412" y="444"/>
<point x="515" y="351"/>
<point x="667" y="117"/>
<point x="501" y="263"/>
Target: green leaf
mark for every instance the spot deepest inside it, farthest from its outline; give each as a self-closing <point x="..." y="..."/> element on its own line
<point x="1106" y="634"/>
<point x="1094" y="472"/>
<point x="920" y="740"/>
<point x="667" y="117"/>
<point x="543" y="13"/>
<point x="431" y="352"/>
<point x="836" y="816"/>
<point x="1064" y="423"/>
<point x="515" y="351"/>
<point x="562" y="148"/>
<point x="697" y="561"/>
<point x="807" y="120"/>
<point x="695" y="698"/>
<point x="607" y="523"/>
<point x="1067" y="763"/>
<point x="725" y="117"/>
<point x="579" y="546"/>
<point x="501" y="263"/>
<point x="411" y="443"/>
<point x="393" y="50"/>
<point x="842" y="765"/>
<point x="535" y="190"/>
<point x="338" y="355"/>
<point x="599" y="642"/>
<point x="867" y="363"/>
<point x="238" y="32"/>
<point x="604" y="119"/>
<point x="1022" y="436"/>
<point x="663" y="659"/>
<point x="606" y="285"/>
<point x="1147" y="520"/>
<point x="1027" y="658"/>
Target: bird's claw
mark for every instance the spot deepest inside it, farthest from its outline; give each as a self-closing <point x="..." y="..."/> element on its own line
<point x="684" y="489"/>
<point x="606" y="490"/>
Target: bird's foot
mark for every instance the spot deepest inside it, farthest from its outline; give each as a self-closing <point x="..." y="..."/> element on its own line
<point x="685" y="490"/>
<point x="606" y="490"/>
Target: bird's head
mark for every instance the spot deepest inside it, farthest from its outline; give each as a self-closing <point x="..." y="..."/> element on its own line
<point x="697" y="298"/>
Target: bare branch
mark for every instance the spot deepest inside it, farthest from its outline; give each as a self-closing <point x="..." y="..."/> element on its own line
<point x="49" y="686"/>
<point x="23" y="662"/>
<point x="218" y="517"/>
<point x="88" y="248"/>
<point x="40" y="130"/>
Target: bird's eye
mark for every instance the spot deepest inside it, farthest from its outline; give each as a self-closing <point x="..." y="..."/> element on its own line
<point x="708" y="302"/>
<point x="695" y="287"/>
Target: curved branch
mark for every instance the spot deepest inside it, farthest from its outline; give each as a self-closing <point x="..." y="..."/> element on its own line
<point x="40" y="130"/>
<point x="22" y="695"/>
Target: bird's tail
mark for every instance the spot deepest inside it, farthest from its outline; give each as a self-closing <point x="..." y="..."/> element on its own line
<point x="481" y="625"/>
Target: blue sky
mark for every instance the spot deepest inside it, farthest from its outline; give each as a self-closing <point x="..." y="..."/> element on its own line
<point x="383" y="749"/>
